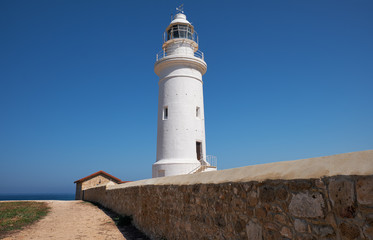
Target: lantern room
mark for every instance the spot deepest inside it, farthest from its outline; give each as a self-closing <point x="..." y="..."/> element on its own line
<point x="180" y="38"/>
<point x="180" y="28"/>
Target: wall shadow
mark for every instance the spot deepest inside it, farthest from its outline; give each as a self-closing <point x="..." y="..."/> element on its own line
<point x="124" y="224"/>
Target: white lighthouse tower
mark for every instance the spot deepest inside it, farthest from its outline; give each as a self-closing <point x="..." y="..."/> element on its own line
<point x="181" y="144"/>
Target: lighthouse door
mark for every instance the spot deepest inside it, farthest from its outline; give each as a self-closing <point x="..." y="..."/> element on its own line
<point x="199" y="150"/>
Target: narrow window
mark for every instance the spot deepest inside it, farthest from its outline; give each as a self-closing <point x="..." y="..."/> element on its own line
<point x="197" y="112"/>
<point x="165" y="113"/>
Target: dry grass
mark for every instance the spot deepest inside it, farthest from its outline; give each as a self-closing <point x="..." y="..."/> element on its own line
<point x="15" y="215"/>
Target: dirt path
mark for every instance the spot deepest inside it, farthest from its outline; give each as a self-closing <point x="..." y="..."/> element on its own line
<point x="71" y="220"/>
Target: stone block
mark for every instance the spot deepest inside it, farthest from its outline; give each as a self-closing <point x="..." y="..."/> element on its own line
<point x="250" y="212"/>
<point x="238" y="204"/>
<point x="271" y="235"/>
<point x="280" y="218"/>
<point x="299" y="185"/>
<point x="319" y="183"/>
<point x="272" y="226"/>
<point x="252" y="198"/>
<point x="323" y="231"/>
<point x="369" y="218"/>
<point x="300" y="225"/>
<point x="364" y="190"/>
<point x="341" y="193"/>
<point x="330" y="219"/>
<point x="281" y="194"/>
<point x="306" y="237"/>
<point x="220" y="220"/>
<point x="286" y="232"/>
<point x="349" y="231"/>
<point x="260" y="213"/>
<point x="368" y="232"/>
<point x="239" y="226"/>
<point x="254" y="231"/>
<point x="306" y="204"/>
<point x="267" y="194"/>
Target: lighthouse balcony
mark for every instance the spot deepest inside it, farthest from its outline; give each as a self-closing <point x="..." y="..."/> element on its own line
<point x="180" y="51"/>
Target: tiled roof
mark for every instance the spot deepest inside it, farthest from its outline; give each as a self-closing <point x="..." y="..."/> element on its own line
<point x="117" y="180"/>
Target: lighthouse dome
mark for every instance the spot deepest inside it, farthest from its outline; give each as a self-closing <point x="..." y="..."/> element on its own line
<point x="180" y="18"/>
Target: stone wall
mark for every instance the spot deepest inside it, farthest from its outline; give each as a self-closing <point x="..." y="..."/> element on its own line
<point x="331" y="206"/>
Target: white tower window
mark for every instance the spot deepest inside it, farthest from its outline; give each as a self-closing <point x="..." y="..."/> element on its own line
<point x="165" y="113"/>
<point x="198" y="112"/>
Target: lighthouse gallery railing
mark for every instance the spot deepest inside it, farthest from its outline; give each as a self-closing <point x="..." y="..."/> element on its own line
<point x="163" y="53"/>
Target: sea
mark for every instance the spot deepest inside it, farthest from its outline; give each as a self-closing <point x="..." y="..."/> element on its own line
<point x="41" y="196"/>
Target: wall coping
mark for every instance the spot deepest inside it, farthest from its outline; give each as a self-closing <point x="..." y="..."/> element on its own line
<point x="354" y="163"/>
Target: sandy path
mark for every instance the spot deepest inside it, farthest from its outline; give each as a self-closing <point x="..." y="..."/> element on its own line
<point x="71" y="220"/>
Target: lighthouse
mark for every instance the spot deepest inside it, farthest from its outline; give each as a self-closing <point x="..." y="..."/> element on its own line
<point x="181" y="143"/>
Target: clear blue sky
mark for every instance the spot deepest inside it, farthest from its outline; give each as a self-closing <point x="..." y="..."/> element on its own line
<point x="286" y="80"/>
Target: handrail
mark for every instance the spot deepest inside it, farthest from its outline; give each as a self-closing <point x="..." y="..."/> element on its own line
<point x="163" y="53"/>
<point x="209" y="162"/>
<point x="195" y="169"/>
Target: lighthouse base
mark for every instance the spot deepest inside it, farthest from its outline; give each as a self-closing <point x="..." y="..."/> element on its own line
<point x="171" y="167"/>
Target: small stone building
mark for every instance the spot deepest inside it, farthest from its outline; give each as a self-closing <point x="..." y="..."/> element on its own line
<point x="92" y="180"/>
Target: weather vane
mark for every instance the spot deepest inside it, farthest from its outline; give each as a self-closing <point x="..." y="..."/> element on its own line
<point x="180" y="9"/>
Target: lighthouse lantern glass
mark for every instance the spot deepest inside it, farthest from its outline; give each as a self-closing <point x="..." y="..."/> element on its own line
<point x="180" y="31"/>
